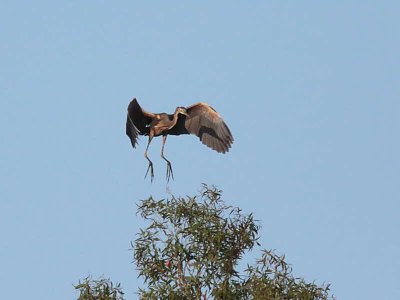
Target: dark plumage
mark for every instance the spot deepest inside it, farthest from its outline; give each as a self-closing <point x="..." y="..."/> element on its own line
<point x="199" y="119"/>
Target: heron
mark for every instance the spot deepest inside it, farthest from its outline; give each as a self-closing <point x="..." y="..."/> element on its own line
<point x="199" y="119"/>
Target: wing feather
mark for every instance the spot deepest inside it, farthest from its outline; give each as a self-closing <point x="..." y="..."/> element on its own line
<point x="137" y="121"/>
<point x="208" y="125"/>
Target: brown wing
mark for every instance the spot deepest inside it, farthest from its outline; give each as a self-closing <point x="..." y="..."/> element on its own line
<point x="137" y="121"/>
<point x="208" y="125"/>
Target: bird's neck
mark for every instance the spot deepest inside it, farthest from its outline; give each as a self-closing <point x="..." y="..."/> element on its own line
<point x="176" y="115"/>
<point x="173" y="119"/>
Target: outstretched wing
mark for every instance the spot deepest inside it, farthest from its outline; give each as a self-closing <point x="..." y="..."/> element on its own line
<point x="137" y="121"/>
<point x="208" y="125"/>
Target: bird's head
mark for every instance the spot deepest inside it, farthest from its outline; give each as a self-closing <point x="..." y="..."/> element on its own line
<point x="182" y="110"/>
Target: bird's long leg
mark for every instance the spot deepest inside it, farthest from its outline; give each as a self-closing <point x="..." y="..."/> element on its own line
<point x="150" y="167"/>
<point x="169" y="167"/>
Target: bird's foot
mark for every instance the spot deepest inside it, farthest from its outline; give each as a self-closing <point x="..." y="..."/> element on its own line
<point x="150" y="167"/>
<point x="169" y="172"/>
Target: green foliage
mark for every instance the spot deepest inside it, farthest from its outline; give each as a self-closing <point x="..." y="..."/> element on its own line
<point x="102" y="289"/>
<point x="191" y="249"/>
<point x="271" y="278"/>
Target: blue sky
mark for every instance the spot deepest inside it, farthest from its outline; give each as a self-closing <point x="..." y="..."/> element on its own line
<point x="310" y="91"/>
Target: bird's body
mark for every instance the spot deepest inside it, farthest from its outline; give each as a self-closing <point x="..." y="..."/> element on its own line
<point x="199" y="119"/>
<point x="160" y="124"/>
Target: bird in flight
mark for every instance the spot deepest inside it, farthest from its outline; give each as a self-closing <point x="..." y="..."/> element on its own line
<point x="199" y="119"/>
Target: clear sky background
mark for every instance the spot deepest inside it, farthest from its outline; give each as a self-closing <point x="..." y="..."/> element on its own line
<point x="310" y="90"/>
